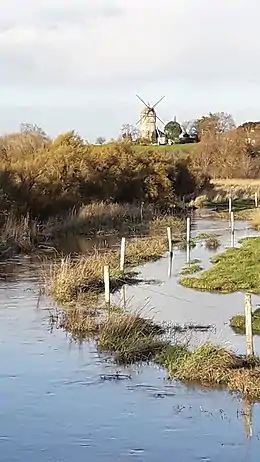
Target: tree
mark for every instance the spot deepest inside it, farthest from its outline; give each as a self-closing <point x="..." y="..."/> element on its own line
<point x="34" y="129"/>
<point x="189" y="126"/>
<point x="172" y="131"/>
<point x="217" y="122"/>
<point x="129" y="132"/>
<point x="100" y="140"/>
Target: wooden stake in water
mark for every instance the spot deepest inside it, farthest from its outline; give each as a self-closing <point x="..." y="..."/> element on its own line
<point x="169" y="234"/>
<point x="256" y="199"/>
<point x="248" y="417"/>
<point x="188" y="253"/>
<point x="249" y="328"/>
<point x="232" y="219"/>
<point x="230" y="205"/>
<point x="107" y="284"/>
<point x="171" y="256"/>
<point x="122" y="254"/>
<point x="188" y="230"/>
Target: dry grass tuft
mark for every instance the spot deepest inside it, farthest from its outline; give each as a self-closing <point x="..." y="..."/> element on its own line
<point x="69" y="279"/>
<point x="213" y="366"/>
<point x="130" y="338"/>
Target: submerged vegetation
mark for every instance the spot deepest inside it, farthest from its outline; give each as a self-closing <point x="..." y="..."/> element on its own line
<point x="234" y="270"/>
<point x="191" y="269"/>
<point x="238" y="322"/>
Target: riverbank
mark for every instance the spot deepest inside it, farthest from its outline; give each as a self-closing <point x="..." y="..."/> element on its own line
<point x="27" y="235"/>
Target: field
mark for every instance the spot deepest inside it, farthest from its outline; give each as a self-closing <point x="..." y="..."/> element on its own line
<point x="184" y="148"/>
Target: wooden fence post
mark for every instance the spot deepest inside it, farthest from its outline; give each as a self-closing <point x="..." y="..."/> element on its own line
<point x="232" y="222"/>
<point x="230" y="205"/>
<point x="107" y="284"/>
<point x="169" y="234"/>
<point x="188" y="230"/>
<point x="122" y="254"/>
<point x="249" y="327"/>
<point x="256" y="199"/>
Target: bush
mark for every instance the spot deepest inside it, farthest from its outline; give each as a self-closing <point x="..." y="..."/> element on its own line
<point x="46" y="177"/>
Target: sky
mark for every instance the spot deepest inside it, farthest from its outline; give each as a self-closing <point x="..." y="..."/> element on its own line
<point x="78" y="64"/>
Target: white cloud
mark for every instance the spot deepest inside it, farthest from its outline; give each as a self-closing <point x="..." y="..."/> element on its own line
<point x="76" y="41"/>
<point x="105" y="46"/>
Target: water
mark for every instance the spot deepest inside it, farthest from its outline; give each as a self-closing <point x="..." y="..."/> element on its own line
<point x="56" y="405"/>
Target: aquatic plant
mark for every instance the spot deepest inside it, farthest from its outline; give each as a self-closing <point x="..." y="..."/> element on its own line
<point x="212" y="242"/>
<point x="191" y="269"/>
<point x="238" y="322"/>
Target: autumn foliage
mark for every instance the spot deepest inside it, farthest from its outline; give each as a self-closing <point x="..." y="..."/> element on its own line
<point x="45" y="177"/>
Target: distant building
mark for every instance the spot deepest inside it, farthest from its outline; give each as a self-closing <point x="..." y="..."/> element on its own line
<point x="148" y="124"/>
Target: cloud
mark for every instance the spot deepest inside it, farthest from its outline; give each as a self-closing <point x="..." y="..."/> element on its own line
<point x="76" y="41"/>
<point x="200" y="53"/>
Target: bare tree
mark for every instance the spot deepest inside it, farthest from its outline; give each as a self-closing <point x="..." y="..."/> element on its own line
<point x="129" y="132"/>
<point x="189" y="126"/>
<point x="217" y="122"/>
<point x="34" y="129"/>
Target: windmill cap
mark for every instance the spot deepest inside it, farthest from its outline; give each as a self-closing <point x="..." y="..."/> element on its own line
<point x="147" y="110"/>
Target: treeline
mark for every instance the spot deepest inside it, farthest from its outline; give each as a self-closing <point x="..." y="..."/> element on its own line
<point x="44" y="177"/>
<point x="232" y="154"/>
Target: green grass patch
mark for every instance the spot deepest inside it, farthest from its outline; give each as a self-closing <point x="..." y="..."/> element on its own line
<point x="238" y="323"/>
<point x="191" y="269"/>
<point x="234" y="270"/>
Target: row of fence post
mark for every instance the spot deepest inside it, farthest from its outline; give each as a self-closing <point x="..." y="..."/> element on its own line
<point x="248" y="301"/>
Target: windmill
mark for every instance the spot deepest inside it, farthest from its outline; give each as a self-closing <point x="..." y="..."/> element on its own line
<point x="148" y="118"/>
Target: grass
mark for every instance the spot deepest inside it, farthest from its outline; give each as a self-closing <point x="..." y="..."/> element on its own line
<point x="130" y="338"/>
<point x="184" y="148"/>
<point x="70" y="279"/>
<point x="191" y="269"/>
<point x="238" y="322"/>
<point x="242" y="192"/>
<point x="106" y="218"/>
<point x="212" y="243"/>
<point x="213" y="366"/>
<point x="18" y="235"/>
<point x="211" y="240"/>
<point x="234" y="270"/>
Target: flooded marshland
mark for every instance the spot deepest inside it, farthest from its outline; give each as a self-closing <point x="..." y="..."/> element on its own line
<point x="61" y="401"/>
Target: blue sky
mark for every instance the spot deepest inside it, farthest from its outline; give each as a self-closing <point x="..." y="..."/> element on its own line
<point x="78" y="63"/>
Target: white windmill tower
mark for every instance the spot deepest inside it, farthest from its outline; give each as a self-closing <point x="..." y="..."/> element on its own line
<point x="148" y="119"/>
